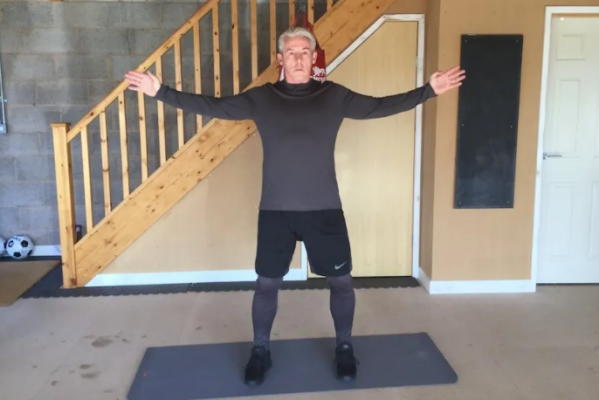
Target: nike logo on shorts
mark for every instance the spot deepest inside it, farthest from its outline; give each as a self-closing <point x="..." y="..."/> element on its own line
<point x="339" y="266"/>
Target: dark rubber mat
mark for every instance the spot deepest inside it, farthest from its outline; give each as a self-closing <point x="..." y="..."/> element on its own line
<point x="214" y="371"/>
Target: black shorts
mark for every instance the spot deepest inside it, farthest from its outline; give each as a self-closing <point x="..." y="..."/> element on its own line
<point x="324" y="234"/>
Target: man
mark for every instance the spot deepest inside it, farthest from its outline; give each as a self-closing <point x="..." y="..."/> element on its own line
<point x="298" y="120"/>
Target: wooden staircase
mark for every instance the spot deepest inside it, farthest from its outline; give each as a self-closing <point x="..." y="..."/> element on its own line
<point x="82" y="259"/>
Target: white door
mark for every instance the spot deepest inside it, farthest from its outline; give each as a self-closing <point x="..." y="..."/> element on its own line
<point x="569" y="220"/>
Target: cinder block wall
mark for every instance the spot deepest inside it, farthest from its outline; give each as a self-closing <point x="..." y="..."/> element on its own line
<point x="60" y="59"/>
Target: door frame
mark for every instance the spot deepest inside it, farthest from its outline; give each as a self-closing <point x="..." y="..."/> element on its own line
<point x="420" y="19"/>
<point x="550" y="12"/>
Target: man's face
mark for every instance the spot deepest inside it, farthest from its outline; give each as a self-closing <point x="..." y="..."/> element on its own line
<point x="297" y="59"/>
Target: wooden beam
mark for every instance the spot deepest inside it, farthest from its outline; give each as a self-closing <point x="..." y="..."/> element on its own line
<point x="143" y="134"/>
<point x="254" y="37"/>
<point x="273" y="31"/>
<point x="291" y="12"/>
<point x="197" y="63"/>
<point x="66" y="202"/>
<point x="216" y="50"/>
<point x="105" y="163"/>
<point x="87" y="181"/>
<point x="161" y="128"/>
<point x="124" y="144"/>
<point x="202" y="153"/>
<point x="179" y="86"/>
<point x="235" y="46"/>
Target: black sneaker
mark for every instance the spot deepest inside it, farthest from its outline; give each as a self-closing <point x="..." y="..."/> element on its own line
<point x="346" y="362"/>
<point x="256" y="368"/>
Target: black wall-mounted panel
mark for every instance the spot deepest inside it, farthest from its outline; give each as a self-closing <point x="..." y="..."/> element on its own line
<point x="489" y="99"/>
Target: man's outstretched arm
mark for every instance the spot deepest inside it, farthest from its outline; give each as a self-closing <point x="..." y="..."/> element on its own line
<point x="359" y="106"/>
<point x="237" y="107"/>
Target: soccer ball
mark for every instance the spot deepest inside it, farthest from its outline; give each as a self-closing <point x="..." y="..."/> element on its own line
<point x="2" y="246"/>
<point x="19" y="247"/>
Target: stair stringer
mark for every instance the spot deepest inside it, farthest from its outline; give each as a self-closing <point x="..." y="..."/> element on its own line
<point x="336" y="30"/>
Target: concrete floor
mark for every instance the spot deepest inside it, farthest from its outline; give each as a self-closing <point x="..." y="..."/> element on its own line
<point x="541" y="346"/>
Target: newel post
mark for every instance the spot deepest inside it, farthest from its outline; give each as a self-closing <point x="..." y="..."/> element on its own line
<point x="66" y="202"/>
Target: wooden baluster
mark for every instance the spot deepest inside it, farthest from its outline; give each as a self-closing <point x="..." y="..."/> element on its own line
<point x="254" y="35"/>
<point x="273" y="30"/>
<point x="197" y="62"/>
<point x="124" y="150"/>
<point x="87" y="182"/>
<point x="105" y="162"/>
<point x="311" y="11"/>
<point x="216" y="47"/>
<point x="329" y="4"/>
<point x="143" y="147"/>
<point x="179" y="86"/>
<point x="235" y="49"/>
<point x="161" y="129"/>
<point x="291" y="12"/>
<point x="66" y="202"/>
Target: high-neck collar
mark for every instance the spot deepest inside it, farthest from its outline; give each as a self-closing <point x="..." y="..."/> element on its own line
<point x="298" y="89"/>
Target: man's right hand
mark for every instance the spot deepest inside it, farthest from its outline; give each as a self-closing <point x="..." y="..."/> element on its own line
<point x="145" y="83"/>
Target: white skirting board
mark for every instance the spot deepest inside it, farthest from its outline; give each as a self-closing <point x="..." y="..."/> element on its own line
<point x="247" y="275"/>
<point x="155" y="278"/>
<point x="46" y="251"/>
<point x="475" y="287"/>
<point x="243" y="275"/>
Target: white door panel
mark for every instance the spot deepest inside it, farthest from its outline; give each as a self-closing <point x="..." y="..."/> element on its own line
<point x="569" y="225"/>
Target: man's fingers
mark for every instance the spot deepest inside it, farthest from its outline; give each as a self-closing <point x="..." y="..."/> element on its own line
<point x="452" y="70"/>
<point x="135" y="75"/>
<point x="133" y="78"/>
<point x="455" y="71"/>
<point x="459" y="75"/>
<point x="458" y="78"/>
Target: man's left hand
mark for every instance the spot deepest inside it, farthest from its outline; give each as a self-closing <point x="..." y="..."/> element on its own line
<point x="442" y="82"/>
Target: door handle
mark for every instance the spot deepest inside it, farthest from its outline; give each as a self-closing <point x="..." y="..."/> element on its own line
<point x="549" y="155"/>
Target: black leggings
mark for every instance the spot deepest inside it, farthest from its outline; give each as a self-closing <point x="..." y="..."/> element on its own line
<point x="265" y="304"/>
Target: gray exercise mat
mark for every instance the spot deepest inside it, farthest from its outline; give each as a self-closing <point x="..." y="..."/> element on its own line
<point x="214" y="371"/>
